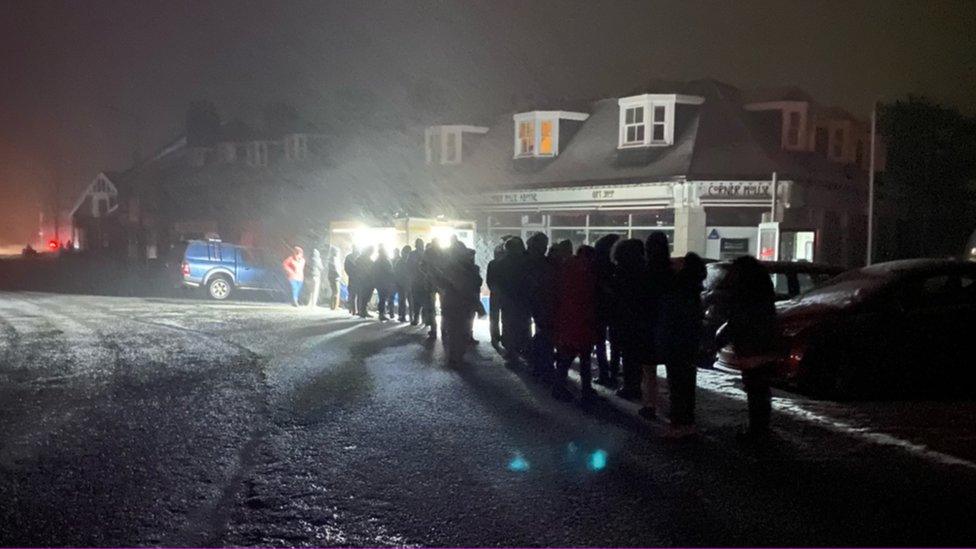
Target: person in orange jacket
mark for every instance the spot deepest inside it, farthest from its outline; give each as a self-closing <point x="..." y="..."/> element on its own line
<point x="294" y="266"/>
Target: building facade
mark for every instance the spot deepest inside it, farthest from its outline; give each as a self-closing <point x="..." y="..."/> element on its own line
<point x="703" y="162"/>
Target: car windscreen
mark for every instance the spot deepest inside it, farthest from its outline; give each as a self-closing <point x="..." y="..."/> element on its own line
<point x="847" y="289"/>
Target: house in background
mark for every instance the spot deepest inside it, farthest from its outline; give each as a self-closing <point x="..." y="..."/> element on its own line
<point x="693" y="160"/>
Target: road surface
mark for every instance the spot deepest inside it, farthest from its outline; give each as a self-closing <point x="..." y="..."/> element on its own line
<point x="127" y="421"/>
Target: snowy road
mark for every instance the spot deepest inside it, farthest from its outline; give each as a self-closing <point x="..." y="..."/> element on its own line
<point x="154" y="421"/>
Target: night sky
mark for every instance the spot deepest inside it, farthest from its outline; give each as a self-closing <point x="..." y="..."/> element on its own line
<point x="86" y="84"/>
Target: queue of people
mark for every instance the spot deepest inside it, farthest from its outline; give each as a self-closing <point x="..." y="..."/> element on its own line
<point x="620" y="301"/>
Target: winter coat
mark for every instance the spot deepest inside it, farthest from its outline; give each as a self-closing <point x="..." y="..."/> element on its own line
<point x="349" y="266"/>
<point x="461" y="288"/>
<point x="364" y="272"/>
<point x="679" y="329"/>
<point x="576" y="319"/>
<point x="294" y="268"/>
<point x="315" y="266"/>
<point x="634" y="313"/>
<point x="383" y="279"/>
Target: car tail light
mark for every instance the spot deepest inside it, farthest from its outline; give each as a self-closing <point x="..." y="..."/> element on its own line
<point x="185" y="268"/>
<point x="797" y="350"/>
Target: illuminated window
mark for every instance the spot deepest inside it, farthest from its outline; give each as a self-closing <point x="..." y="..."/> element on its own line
<point x="545" y="137"/>
<point x="526" y="137"/>
<point x="634" y="126"/>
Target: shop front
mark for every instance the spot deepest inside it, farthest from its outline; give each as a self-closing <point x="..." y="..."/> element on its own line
<point x="716" y="219"/>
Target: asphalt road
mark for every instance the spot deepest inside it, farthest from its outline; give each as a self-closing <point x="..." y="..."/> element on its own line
<point x="128" y="421"/>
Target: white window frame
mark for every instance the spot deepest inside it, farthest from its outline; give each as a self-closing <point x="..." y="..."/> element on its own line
<point x="650" y="102"/>
<point x="538" y="118"/>
<point x="638" y="126"/>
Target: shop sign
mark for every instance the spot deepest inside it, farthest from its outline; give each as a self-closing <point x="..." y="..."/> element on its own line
<point x="653" y="192"/>
<point x="737" y="190"/>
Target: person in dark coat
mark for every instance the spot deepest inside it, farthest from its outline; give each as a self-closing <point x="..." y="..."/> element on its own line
<point x="352" y="281"/>
<point x="431" y="270"/>
<point x="540" y="281"/>
<point x="332" y="272"/>
<point x="516" y="310"/>
<point x="394" y="297"/>
<point x="401" y="271"/>
<point x="364" y="272"/>
<point x="460" y="290"/>
<point x="632" y="311"/>
<point x="679" y="338"/>
<point x="576" y="328"/>
<point x="657" y="252"/>
<point x="751" y="330"/>
<point x="607" y="347"/>
<point x="384" y="282"/>
<point x="494" y="298"/>
<point x="419" y="293"/>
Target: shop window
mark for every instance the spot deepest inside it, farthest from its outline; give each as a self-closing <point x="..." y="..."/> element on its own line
<point x="505" y="219"/>
<point x="642" y="234"/>
<point x="597" y="234"/>
<point x="653" y="218"/>
<point x="576" y="236"/>
<point x="734" y="217"/>
<point x="609" y="219"/>
<point x="567" y="219"/>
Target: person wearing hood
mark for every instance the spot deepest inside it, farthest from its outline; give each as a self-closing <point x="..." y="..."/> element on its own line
<point x="352" y="281"/>
<point x="679" y="336"/>
<point x="294" y="266"/>
<point x="315" y="268"/>
<point x="384" y="281"/>
<point x="576" y="326"/>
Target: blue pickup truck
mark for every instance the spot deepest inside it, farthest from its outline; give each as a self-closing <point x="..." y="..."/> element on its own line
<point x="220" y="269"/>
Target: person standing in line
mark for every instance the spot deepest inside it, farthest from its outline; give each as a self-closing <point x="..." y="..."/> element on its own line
<point x="294" y="266"/>
<point x="384" y="281"/>
<point x="494" y="298"/>
<point x="576" y="324"/>
<point x="333" y="276"/>
<point x="315" y="268"/>
<point x="679" y="338"/>
<point x="431" y="268"/>
<point x="352" y="284"/>
<point x="364" y="274"/>
<point x="401" y="272"/>
<point x="751" y="329"/>
<point x="515" y="306"/>
<point x="540" y="282"/>
<point x="418" y="290"/>
<point x="607" y="345"/>
<point x="394" y="295"/>
<point x="460" y="287"/>
<point x="657" y="252"/>
<point x="632" y="308"/>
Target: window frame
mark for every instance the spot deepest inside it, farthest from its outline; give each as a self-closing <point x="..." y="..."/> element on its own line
<point x="652" y="105"/>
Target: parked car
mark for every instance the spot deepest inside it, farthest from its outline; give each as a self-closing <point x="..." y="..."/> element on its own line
<point x="892" y="329"/>
<point x="220" y="268"/>
<point x="790" y="278"/>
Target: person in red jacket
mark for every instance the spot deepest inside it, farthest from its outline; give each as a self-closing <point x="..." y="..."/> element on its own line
<point x="576" y="323"/>
<point x="294" y="266"/>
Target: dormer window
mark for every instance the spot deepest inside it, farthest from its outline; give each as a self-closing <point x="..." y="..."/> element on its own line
<point x="257" y="153"/>
<point x="296" y="147"/>
<point x="648" y="120"/>
<point x="445" y="144"/>
<point x="537" y="132"/>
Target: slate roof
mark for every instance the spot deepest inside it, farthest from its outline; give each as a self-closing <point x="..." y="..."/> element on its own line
<point x="718" y="139"/>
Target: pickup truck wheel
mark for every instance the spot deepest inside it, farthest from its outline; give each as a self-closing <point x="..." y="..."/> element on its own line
<point x="219" y="288"/>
